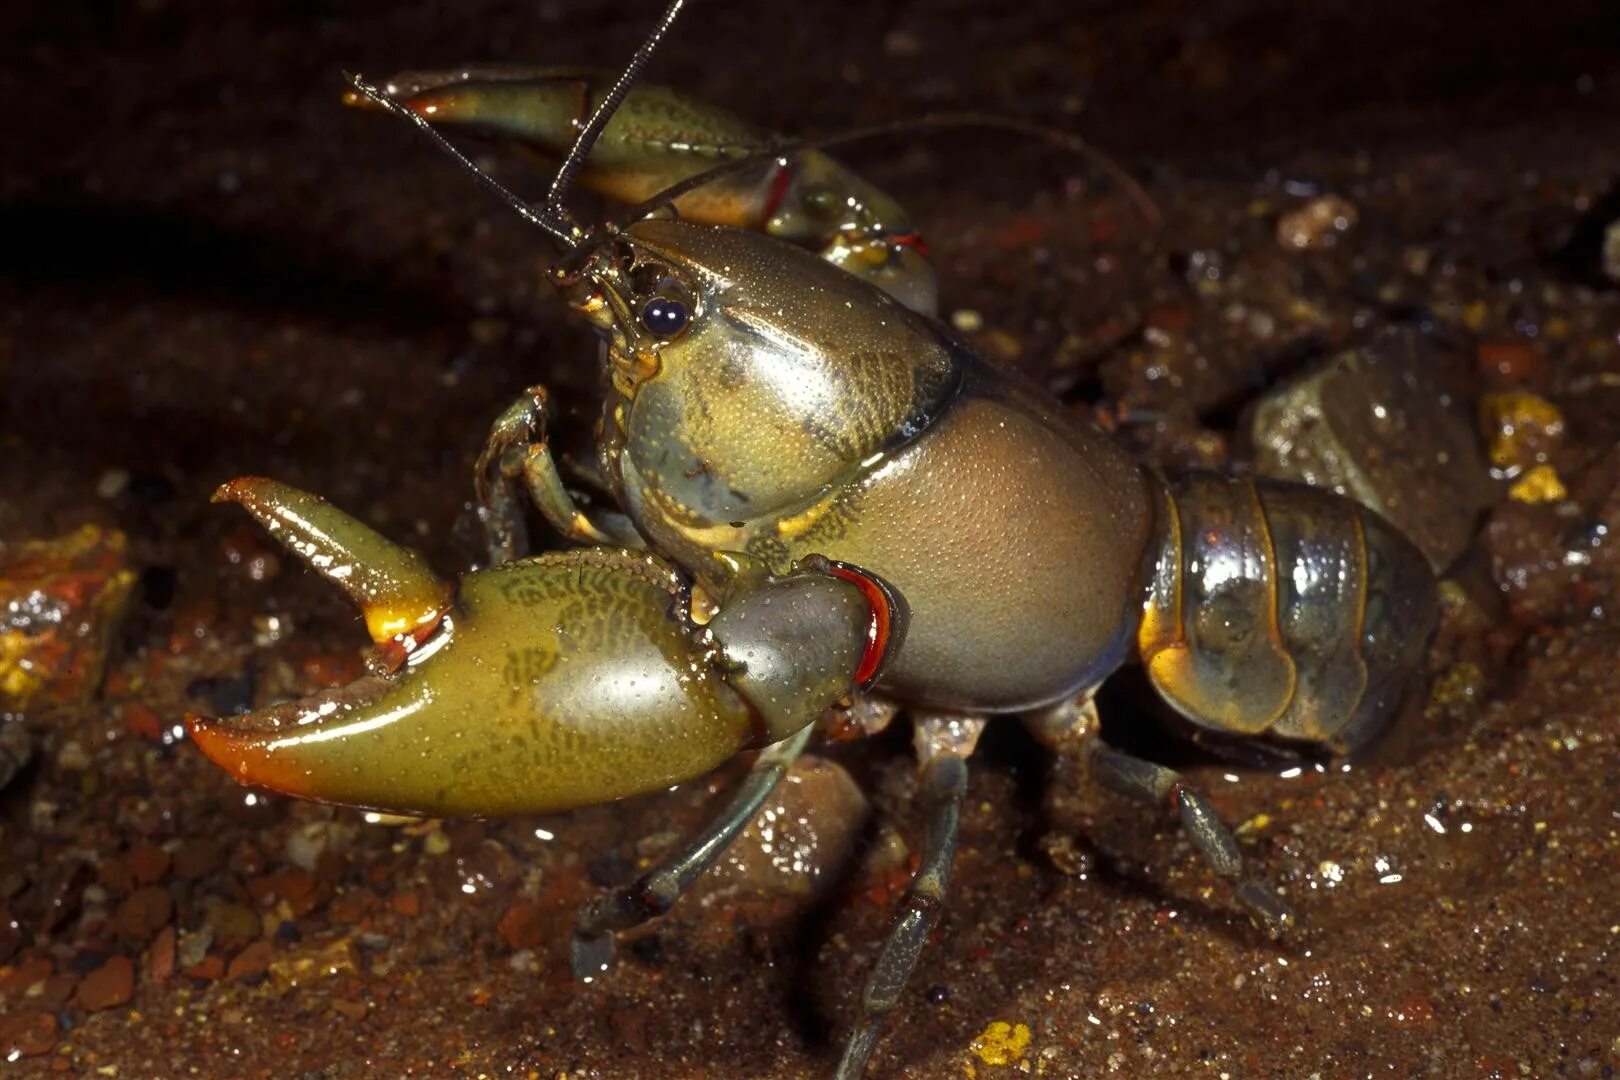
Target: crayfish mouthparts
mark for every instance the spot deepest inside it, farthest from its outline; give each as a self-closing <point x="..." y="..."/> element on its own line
<point x="564" y="680"/>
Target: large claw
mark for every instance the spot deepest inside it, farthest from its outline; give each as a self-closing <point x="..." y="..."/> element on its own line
<point x="658" y="138"/>
<point x="565" y="680"/>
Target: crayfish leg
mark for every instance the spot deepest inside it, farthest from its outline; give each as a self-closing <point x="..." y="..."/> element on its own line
<point x="943" y="743"/>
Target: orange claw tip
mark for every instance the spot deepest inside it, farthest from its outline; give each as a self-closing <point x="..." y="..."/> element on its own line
<point x="281" y="747"/>
<point x="243" y="489"/>
<point x="426" y="101"/>
<point x="246" y="758"/>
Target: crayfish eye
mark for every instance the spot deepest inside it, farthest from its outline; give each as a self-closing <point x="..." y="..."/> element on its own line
<point x="664" y="316"/>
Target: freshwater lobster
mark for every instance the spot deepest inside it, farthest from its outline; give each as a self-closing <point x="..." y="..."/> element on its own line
<point x="822" y="499"/>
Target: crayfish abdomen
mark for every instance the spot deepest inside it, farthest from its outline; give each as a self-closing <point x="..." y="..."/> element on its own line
<point x="1281" y="611"/>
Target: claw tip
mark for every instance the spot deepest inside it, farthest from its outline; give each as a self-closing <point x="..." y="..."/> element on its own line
<point x="242" y="489"/>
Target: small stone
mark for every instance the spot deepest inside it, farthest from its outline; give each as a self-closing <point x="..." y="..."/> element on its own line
<point x="210" y="968"/>
<point x="56" y="991"/>
<point x="71" y="757"/>
<point x="803" y="834"/>
<point x="160" y="963"/>
<point x="1385" y="425"/>
<point x="148" y="863"/>
<point x="314" y="962"/>
<point x="525" y="925"/>
<point x="143" y="913"/>
<point x="351" y="1010"/>
<point x="407" y="903"/>
<point x="297" y="887"/>
<point x="112" y="984"/>
<point x="27" y="1034"/>
<point x="305" y="844"/>
<point x="1539" y="484"/>
<point x="234" y="924"/>
<point x="29" y="971"/>
<point x="140" y="721"/>
<point x="63" y="599"/>
<point x="1316" y="224"/>
<point x="251" y="962"/>
<point x="1520" y="429"/>
<point x="194" y="946"/>
<point x="967" y="321"/>
<point x="1001" y="1043"/>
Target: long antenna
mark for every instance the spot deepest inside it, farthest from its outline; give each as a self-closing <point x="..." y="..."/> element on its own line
<point x="604" y="112"/>
<point x="554" y="220"/>
<point x="553" y="217"/>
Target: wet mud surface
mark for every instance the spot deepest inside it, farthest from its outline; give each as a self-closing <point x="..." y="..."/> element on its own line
<point x="210" y="269"/>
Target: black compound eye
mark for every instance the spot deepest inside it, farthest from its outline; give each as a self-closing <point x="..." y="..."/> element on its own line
<point x="664" y="316"/>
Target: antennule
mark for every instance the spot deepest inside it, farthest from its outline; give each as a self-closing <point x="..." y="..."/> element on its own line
<point x="553" y="219"/>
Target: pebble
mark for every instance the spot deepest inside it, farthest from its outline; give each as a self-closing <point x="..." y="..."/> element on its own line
<point x="71" y="757"/>
<point x="297" y="887"/>
<point x="148" y="863"/>
<point x="1316" y="224"/>
<point x="407" y="903"/>
<point x="234" y="924"/>
<point x="143" y="913"/>
<point x="112" y="984"/>
<point x="251" y="962"/>
<point x="57" y="990"/>
<point x="1001" y="1043"/>
<point x="315" y="961"/>
<point x="801" y="837"/>
<point x="140" y="721"/>
<point x="1384" y="425"/>
<point x="350" y="1010"/>
<point x="305" y="844"/>
<point x="1521" y="430"/>
<point x="17" y="978"/>
<point x="160" y="963"/>
<point x="210" y="968"/>
<point x="525" y="925"/>
<point x="193" y="947"/>
<point x="27" y="1034"/>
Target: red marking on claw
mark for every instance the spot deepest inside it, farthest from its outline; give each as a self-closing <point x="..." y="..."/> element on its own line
<point x="877" y="630"/>
<point x="781" y="180"/>
<point x="910" y="240"/>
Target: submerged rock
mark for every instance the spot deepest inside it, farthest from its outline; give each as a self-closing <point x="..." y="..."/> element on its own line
<point x="1382" y="425"/>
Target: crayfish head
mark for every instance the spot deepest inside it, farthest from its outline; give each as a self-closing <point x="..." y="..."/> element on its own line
<point x="753" y="376"/>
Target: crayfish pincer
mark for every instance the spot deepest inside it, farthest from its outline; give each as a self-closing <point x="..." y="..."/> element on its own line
<point x="549" y="683"/>
<point x="869" y="508"/>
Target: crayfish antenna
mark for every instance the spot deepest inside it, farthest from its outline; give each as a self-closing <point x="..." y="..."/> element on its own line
<point x="553" y="217"/>
<point x="401" y="597"/>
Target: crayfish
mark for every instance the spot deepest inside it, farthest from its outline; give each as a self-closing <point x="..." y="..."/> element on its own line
<point x="819" y="498"/>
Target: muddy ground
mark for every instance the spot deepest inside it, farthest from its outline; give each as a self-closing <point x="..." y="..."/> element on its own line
<point x="209" y="268"/>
